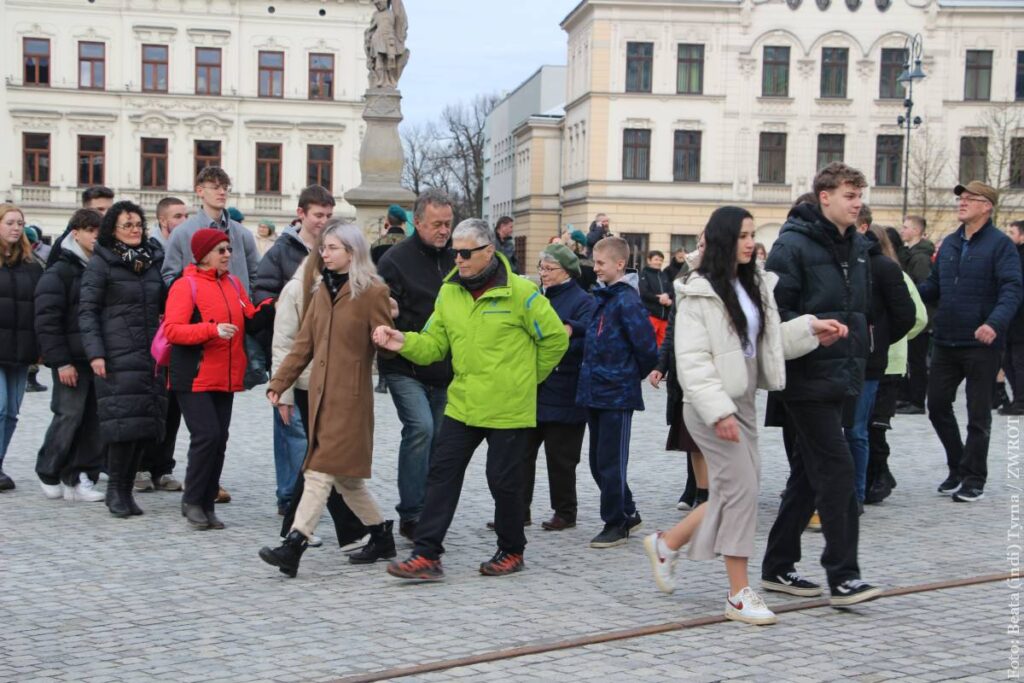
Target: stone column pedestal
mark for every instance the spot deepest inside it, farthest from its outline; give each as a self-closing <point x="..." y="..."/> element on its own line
<point x="381" y="160"/>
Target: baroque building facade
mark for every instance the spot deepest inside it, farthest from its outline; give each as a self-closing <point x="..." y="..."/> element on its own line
<point x="674" y="108"/>
<point x="138" y="96"/>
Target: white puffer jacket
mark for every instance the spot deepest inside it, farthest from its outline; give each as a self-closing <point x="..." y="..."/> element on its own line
<point x="709" y="355"/>
<point x="287" y="321"/>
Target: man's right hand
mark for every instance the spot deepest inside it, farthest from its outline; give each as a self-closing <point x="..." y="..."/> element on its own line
<point x="388" y="338"/>
<point x="68" y="376"/>
<point x="99" y="367"/>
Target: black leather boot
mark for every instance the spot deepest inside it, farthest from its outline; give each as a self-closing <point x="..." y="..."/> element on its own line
<point x="195" y="516"/>
<point x="115" y="500"/>
<point x="129" y="483"/>
<point x="380" y="547"/>
<point x="286" y="556"/>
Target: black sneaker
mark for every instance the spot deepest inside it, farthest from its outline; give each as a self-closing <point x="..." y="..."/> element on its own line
<point x="791" y="583"/>
<point x="951" y="485"/>
<point x="611" y="536"/>
<point x="968" y="494"/>
<point x="634" y="522"/>
<point x="853" y="591"/>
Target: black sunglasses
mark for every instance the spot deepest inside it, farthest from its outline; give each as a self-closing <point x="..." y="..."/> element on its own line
<point x="466" y="254"/>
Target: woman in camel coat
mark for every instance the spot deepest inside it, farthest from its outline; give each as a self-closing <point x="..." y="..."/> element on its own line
<point x="335" y="343"/>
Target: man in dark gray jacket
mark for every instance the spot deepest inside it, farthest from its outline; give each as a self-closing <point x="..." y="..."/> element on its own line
<point x="212" y="186"/>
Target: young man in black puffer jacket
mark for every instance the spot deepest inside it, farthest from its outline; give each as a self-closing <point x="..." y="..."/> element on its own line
<point x="71" y="457"/>
<point x="823" y="269"/>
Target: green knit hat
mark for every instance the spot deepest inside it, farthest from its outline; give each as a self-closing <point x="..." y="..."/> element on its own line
<point x="565" y="258"/>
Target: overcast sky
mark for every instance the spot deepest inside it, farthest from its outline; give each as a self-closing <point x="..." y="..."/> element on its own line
<point x="462" y="48"/>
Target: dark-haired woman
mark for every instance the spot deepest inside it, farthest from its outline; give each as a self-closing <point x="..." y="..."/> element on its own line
<point x="18" y="277"/>
<point x="733" y="344"/>
<point x="120" y="304"/>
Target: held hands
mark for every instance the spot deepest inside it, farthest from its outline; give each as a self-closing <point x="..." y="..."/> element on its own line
<point x="388" y="338"/>
<point x="99" y="367"/>
<point x="664" y="300"/>
<point x="68" y="376"/>
<point x="226" y="330"/>
<point x="985" y="334"/>
<point x="655" y="378"/>
<point x="728" y="429"/>
<point x="829" y="332"/>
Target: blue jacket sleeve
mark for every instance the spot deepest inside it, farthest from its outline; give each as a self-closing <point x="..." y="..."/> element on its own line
<point x="1008" y="274"/>
<point x="579" y="321"/>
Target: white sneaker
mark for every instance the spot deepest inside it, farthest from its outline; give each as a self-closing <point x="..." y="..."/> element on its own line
<point x="356" y="544"/>
<point x="748" y="607"/>
<point x="83" y="491"/>
<point x="663" y="562"/>
<point x="143" y="481"/>
<point x="52" y="491"/>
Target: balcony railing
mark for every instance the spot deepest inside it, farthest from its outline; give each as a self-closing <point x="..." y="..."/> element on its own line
<point x="773" y="194"/>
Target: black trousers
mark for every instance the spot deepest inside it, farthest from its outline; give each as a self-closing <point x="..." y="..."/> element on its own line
<point x="917" y="368"/>
<point x="347" y="526"/>
<point x="159" y="459"/>
<point x="208" y="416"/>
<point x="563" y="444"/>
<point x="821" y="478"/>
<point x="1013" y="366"/>
<point x="951" y="366"/>
<point x="72" y="442"/>
<point x="880" y="423"/>
<point x="455" y="446"/>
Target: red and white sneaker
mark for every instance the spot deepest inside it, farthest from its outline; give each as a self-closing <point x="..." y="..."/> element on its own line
<point x="748" y="607"/>
<point x="663" y="561"/>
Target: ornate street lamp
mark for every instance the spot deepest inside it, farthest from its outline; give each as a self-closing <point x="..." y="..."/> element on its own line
<point x="911" y="72"/>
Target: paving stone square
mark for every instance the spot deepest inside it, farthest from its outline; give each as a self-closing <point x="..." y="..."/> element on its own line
<point x="87" y="597"/>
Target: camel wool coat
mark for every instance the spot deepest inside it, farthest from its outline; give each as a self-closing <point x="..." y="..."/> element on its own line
<point x="335" y="336"/>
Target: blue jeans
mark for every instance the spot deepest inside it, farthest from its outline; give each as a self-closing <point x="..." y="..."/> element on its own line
<point x="12" y="389"/>
<point x="857" y="436"/>
<point x="421" y="409"/>
<point x="289" y="452"/>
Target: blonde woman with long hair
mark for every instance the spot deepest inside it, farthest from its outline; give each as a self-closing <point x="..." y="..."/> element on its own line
<point x="334" y="341"/>
<point x="17" y="323"/>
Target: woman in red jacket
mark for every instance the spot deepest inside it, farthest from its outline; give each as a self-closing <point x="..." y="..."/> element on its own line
<point x="207" y="309"/>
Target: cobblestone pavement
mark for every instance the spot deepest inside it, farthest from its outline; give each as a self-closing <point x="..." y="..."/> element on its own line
<point x="84" y="596"/>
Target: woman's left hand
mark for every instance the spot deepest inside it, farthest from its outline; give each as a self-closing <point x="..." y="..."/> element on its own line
<point x="728" y="429"/>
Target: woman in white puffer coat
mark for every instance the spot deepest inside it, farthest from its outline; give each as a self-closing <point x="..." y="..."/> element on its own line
<point x="729" y="343"/>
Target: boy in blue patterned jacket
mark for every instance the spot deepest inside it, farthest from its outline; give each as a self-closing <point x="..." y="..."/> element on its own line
<point x="620" y="351"/>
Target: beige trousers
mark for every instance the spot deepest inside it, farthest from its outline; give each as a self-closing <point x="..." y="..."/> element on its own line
<point x="314" y="499"/>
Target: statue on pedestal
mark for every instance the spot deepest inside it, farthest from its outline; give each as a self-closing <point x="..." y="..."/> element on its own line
<point x="386" y="54"/>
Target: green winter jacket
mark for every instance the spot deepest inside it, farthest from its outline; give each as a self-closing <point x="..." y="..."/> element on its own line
<point x="898" y="349"/>
<point x="503" y="345"/>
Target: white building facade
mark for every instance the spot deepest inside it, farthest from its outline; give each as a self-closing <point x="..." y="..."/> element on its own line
<point x="140" y="96"/>
<point x="674" y="108"/>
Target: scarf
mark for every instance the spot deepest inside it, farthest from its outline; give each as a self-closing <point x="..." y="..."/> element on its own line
<point x="481" y="279"/>
<point x="334" y="282"/>
<point x="138" y="259"/>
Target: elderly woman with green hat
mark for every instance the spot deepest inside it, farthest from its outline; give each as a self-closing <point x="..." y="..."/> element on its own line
<point x="560" y="423"/>
<point x="266" y="236"/>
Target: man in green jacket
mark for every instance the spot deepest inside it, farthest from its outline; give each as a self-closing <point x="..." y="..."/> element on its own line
<point x="505" y="338"/>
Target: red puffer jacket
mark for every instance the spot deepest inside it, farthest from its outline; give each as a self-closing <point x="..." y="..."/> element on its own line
<point x="200" y="359"/>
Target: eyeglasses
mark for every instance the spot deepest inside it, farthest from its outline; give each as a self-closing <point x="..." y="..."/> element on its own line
<point x="130" y="227"/>
<point x="224" y="250"/>
<point x="466" y="254"/>
<point x="964" y="198"/>
<point x="549" y="269"/>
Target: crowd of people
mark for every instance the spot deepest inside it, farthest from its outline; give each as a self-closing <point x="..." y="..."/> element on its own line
<point x="845" y="323"/>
